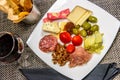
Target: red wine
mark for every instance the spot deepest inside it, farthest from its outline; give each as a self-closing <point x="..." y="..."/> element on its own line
<point x="6" y="45"/>
<point x="8" y="48"/>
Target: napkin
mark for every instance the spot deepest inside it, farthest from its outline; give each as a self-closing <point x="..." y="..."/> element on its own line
<point x="103" y="72"/>
<point x="100" y="72"/>
<point x="43" y="74"/>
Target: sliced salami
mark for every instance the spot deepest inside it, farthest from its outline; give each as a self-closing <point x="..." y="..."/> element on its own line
<point x="48" y="43"/>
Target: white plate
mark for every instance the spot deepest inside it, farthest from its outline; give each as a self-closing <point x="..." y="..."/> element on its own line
<point x="108" y="25"/>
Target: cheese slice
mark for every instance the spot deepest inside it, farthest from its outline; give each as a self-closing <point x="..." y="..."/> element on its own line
<point x="52" y="27"/>
<point x="83" y="18"/>
<point x="76" y="14"/>
<point x="79" y="15"/>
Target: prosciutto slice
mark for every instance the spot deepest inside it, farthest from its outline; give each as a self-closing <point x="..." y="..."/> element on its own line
<point x="79" y="56"/>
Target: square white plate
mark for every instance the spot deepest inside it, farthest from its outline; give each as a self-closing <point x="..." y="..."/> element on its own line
<point x="108" y="25"/>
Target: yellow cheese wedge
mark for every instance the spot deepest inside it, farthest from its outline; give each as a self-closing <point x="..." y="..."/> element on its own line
<point x="76" y="14"/>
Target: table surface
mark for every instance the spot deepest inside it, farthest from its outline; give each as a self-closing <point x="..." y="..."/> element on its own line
<point x="11" y="72"/>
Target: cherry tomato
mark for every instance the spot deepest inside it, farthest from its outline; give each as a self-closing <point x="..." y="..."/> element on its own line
<point x="70" y="48"/>
<point x="77" y="40"/>
<point x="65" y="37"/>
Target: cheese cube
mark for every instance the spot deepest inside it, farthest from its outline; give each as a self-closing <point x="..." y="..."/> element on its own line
<point x="62" y="25"/>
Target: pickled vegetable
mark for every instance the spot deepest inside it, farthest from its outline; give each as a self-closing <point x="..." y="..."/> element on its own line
<point x="89" y="32"/>
<point x="94" y="28"/>
<point x="75" y="31"/>
<point x="92" y="19"/>
<point x="86" y="25"/>
<point x="77" y="26"/>
<point x="83" y="33"/>
<point x="94" y="43"/>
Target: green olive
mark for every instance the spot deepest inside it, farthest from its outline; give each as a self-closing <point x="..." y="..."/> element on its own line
<point x="83" y="33"/>
<point x="77" y="26"/>
<point x="94" y="28"/>
<point x="92" y="19"/>
<point x="75" y="31"/>
<point x="86" y="25"/>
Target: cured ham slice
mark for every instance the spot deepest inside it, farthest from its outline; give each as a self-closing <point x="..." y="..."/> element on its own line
<point x="51" y="16"/>
<point x="79" y="57"/>
<point x="60" y="15"/>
